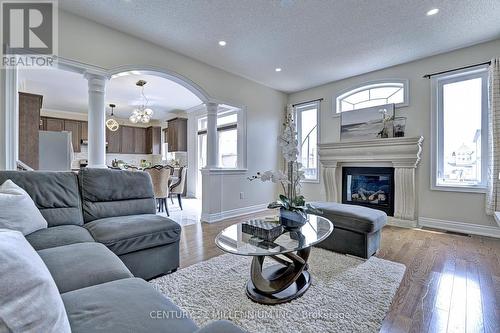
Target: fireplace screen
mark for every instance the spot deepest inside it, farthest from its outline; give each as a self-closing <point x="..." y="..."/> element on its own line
<point x="371" y="187"/>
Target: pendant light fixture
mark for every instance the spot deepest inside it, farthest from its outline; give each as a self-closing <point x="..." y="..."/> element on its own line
<point x="143" y="113"/>
<point x="111" y="123"/>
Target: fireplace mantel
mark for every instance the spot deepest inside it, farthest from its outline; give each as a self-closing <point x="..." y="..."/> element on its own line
<point x="404" y="154"/>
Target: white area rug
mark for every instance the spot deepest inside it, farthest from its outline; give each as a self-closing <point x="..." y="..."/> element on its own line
<point x="347" y="294"/>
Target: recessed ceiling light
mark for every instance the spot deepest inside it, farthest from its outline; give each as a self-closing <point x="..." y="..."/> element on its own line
<point x="277" y="69"/>
<point x="433" y="11"/>
<point x="222" y="43"/>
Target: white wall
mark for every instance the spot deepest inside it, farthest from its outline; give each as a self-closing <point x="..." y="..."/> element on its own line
<point x="86" y="41"/>
<point x="452" y="206"/>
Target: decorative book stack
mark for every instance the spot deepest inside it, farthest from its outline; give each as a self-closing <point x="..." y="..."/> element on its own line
<point x="264" y="229"/>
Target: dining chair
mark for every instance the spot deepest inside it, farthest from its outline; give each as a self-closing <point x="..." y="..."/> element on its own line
<point x="177" y="187"/>
<point x="160" y="177"/>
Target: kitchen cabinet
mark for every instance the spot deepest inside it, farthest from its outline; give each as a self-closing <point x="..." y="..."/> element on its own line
<point x="153" y="140"/>
<point x="29" y="126"/>
<point x="140" y="140"/>
<point x="74" y="126"/>
<point x="78" y="129"/>
<point x="165" y="135"/>
<point x="177" y="135"/>
<point x="54" y="124"/>
<point x="114" y="140"/>
<point x="128" y="140"/>
<point x="84" y="130"/>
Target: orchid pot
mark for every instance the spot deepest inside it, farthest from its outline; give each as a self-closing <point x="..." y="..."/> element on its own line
<point x="290" y="219"/>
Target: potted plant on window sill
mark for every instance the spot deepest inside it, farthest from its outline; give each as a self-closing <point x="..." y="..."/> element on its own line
<point x="292" y="205"/>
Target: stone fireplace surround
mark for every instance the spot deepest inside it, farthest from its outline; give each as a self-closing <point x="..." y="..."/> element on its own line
<point x="403" y="154"/>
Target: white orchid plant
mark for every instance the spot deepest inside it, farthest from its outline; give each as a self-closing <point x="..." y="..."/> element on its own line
<point x="290" y="180"/>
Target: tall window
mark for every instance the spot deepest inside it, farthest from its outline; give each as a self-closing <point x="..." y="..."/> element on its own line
<point x="227" y="138"/>
<point x="307" y="127"/>
<point x="373" y="94"/>
<point x="460" y="113"/>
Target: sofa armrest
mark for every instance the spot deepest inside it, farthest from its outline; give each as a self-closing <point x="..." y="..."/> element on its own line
<point x="220" y="326"/>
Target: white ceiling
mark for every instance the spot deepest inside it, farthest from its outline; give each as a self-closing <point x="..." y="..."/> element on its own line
<point x="67" y="91"/>
<point x="313" y="41"/>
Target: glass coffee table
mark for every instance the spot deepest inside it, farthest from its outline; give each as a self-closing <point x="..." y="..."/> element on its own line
<point x="286" y="279"/>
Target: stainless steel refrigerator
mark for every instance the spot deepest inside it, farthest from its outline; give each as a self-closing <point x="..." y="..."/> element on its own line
<point x="56" y="151"/>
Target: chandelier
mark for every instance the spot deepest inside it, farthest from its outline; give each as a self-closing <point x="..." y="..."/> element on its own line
<point x="142" y="113"/>
<point x="111" y="123"/>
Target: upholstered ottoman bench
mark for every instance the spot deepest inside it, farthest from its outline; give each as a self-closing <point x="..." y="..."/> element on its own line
<point x="357" y="228"/>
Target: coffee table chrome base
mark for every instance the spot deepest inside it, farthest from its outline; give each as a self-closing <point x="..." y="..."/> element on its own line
<point x="281" y="282"/>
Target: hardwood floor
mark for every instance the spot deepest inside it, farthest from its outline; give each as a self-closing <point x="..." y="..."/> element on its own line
<point x="452" y="282"/>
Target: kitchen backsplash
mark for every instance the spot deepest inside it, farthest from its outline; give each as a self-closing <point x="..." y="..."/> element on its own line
<point x="180" y="157"/>
<point x="132" y="159"/>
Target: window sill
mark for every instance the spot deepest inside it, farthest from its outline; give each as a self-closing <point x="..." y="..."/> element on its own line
<point x="463" y="189"/>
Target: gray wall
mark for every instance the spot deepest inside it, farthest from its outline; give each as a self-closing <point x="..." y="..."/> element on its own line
<point x="451" y="206"/>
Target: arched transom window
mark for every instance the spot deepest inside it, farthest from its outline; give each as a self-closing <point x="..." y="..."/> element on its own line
<point x="374" y="94"/>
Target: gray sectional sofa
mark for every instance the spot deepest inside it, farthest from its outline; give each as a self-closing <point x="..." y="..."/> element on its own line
<point x="103" y="239"/>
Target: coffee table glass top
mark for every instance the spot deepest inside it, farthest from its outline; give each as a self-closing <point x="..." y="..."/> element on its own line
<point x="234" y="240"/>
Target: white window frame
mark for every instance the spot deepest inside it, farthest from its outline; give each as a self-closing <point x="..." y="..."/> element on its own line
<point x="241" y="132"/>
<point x="437" y="83"/>
<point x="297" y="110"/>
<point x="370" y="85"/>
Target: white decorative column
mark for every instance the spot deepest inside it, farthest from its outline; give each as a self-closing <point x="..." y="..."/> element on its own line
<point x="96" y="120"/>
<point x="212" y="145"/>
<point x="211" y="202"/>
<point x="9" y="119"/>
<point x="404" y="193"/>
<point x="330" y="179"/>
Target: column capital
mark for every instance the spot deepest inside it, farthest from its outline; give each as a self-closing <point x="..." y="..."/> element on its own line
<point x="96" y="81"/>
<point x="212" y="107"/>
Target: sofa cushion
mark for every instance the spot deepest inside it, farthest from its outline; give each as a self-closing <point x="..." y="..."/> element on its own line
<point x="83" y="265"/>
<point x="56" y="194"/>
<point x="127" y="305"/>
<point x="352" y="217"/>
<point x="125" y="234"/>
<point x="107" y="193"/>
<point x="58" y="236"/>
<point x="18" y="211"/>
<point x="30" y="301"/>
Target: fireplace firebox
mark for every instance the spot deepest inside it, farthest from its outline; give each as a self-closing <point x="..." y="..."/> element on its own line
<point x="369" y="187"/>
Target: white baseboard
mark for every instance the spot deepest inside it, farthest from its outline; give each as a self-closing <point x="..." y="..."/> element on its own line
<point x="401" y="223"/>
<point x="466" y="228"/>
<point x="216" y="217"/>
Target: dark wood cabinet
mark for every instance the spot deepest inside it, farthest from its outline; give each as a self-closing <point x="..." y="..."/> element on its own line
<point x="54" y="124"/>
<point x="114" y="140"/>
<point x="74" y="126"/>
<point x="140" y="140"/>
<point x="177" y="135"/>
<point x="153" y="140"/>
<point x="165" y="135"/>
<point x="29" y="126"/>
<point x="128" y="140"/>
<point x="84" y="130"/>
